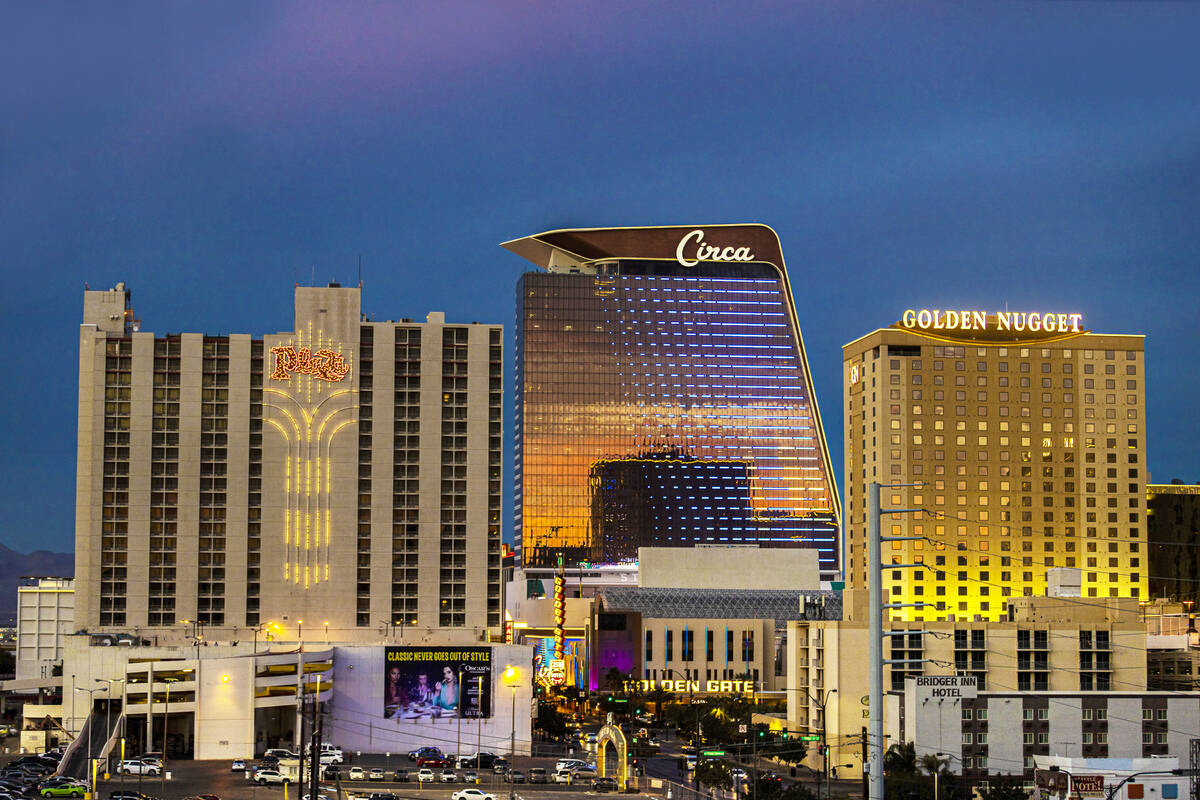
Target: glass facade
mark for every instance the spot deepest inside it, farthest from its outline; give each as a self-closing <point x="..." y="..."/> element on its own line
<point x="663" y="404"/>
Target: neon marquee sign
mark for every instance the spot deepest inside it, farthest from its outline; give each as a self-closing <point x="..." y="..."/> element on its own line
<point x="708" y="252"/>
<point x="325" y="365"/>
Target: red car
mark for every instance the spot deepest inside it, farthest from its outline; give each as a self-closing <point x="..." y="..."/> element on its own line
<point x="432" y="762"/>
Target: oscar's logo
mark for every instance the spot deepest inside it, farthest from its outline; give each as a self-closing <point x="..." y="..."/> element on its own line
<point x="324" y="365"/>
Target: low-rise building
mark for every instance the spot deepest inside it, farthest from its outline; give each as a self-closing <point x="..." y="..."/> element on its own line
<point x="45" y="614"/>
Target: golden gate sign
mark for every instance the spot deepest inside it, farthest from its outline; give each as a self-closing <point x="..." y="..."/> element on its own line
<point x="713" y="687"/>
<point x="325" y="365"/>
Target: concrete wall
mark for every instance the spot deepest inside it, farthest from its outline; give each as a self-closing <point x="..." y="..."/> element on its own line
<point x="708" y="567"/>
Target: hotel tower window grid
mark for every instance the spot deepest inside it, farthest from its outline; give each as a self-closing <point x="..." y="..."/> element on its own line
<point x="406" y="483"/>
<point x="254" y="489"/>
<point x="118" y="367"/>
<point x="495" y="451"/>
<point x="214" y="471"/>
<point x="644" y="357"/>
<point x="454" y="478"/>
<point x="1022" y="471"/>
<point x="366" y="355"/>
<point x="164" y="483"/>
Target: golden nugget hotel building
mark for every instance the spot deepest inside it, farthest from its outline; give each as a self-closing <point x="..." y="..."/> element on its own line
<point x="1026" y="434"/>
<point x="333" y="478"/>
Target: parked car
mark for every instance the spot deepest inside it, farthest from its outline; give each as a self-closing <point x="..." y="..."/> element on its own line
<point x="538" y="775"/>
<point x="357" y="774"/>
<point x="270" y="776"/>
<point x="239" y="765"/>
<point x="470" y="776"/>
<point x="382" y="796"/>
<point x="425" y="752"/>
<point x="71" y="789"/>
<point x="562" y="776"/>
<point x="499" y="765"/>
<point x="425" y="776"/>
<point x="330" y="757"/>
<point x="472" y="794"/>
<point x="515" y="776"/>
<point x="436" y="762"/>
<point x="604" y="784"/>
<point x="448" y="776"/>
<point x="128" y="794"/>
<point x="375" y="774"/>
<point x="583" y="776"/>
<point x="276" y="752"/>
<point x="331" y="772"/>
<point x="139" y="767"/>
<point x="400" y="776"/>
<point x="569" y="764"/>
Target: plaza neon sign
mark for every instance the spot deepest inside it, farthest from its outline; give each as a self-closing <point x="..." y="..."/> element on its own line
<point x="325" y="365"/>
<point x="937" y="319"/>
<point x="708" y="252"/>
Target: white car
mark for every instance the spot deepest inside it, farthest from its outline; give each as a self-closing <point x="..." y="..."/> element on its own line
<point x="425" y="775"/>
<point x="357" y="774"/>
<point x="331" y="757"/>
<point x="583" y="775"/>
<point x="136" y="767"/>
<point x="569" y="764"/>
<point x="272" y="776"/>
<point x="562" y="776"/>
<point x="472" y="794"/>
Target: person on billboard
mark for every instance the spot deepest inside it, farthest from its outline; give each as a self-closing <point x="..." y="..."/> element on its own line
<point x="446" y="690"/>
<point x="421" y="694"/>
<point x="393" y="695"/>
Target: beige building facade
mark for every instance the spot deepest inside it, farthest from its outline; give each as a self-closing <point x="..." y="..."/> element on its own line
<point x="1025" y="437"/>
<point x="311" y="484"/>
<point x="1046" y="647"/>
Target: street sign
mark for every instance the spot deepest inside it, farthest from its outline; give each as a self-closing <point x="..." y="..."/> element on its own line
<point x="712" y="752"/>
<point x="810" y="737"/>
<point x="742" y="728"/>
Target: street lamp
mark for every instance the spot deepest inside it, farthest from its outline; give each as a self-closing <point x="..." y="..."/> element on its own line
<point x="91" y="768"/>
<point x="108" y="712"/>
<point x="299" y="630"/>
<point x="166" y="723"/>
<point x="821" y="701"/>
<point x="510" y="677"/>
<point x="326" y="631"/>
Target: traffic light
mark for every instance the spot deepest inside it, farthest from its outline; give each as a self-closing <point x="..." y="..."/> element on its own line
<point x="785" y="734"/>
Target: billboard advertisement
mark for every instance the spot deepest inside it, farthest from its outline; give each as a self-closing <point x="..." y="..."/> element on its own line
<point x="435" y="682"/>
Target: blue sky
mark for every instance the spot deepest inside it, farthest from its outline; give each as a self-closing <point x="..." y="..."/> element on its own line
<point x="970" y="154"/>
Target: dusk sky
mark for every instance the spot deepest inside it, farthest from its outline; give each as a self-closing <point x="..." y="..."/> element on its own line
<point x="1041" y="156"/>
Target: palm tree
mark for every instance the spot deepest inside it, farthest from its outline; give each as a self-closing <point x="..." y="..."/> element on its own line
<point x="900" y="759"/>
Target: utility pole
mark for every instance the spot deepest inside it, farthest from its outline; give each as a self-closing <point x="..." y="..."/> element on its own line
<point x="866" y="789"/>
<point x="876" y="634"/>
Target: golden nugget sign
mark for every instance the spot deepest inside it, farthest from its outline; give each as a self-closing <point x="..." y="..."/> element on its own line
<point x="729" y="687"/>
<point x="708" y="252"/>
<point x="324" y="365"/>
<point x="937" y="319"/>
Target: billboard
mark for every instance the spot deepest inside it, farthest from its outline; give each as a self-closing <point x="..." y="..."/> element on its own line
<point x="436" y="682"/>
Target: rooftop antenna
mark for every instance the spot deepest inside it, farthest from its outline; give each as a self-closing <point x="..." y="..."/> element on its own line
<point x="314" y="275"/>
<point x="360" y="270"/>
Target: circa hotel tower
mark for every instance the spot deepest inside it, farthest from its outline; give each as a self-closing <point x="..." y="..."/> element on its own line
<point x="664" y="398"/>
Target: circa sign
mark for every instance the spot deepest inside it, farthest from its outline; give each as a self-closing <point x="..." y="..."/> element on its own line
<point x="937" y="319"/>
<point x="324" y="365"/>
<point x="708" y="252"/>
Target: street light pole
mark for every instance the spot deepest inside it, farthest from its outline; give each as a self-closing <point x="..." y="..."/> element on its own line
<point x="822" y="701"/>
<point x="162" y="774"/>
<point x="91" y="772"/>
<point x="510" y="675"/>
<point x="108" y="713"/>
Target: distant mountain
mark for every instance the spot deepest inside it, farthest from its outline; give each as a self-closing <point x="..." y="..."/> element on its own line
<point x="14" y="565"/>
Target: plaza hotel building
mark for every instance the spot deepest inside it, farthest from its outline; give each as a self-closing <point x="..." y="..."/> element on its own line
<point x="328" y="480"/>
<point x="1019" y="437"/>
